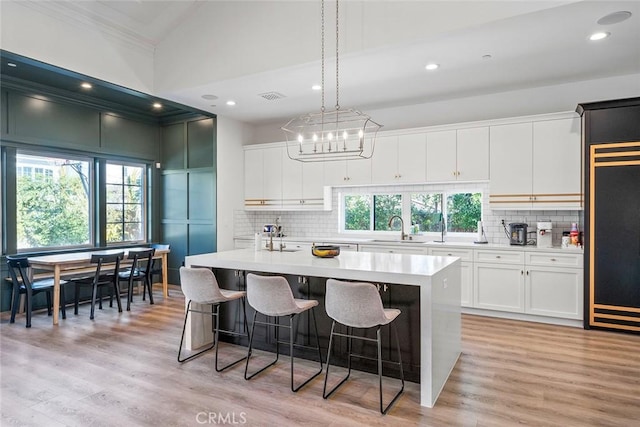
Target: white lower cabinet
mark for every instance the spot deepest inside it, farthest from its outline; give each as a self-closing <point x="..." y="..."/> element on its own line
<point x="499" y="287"/>
<point x="554" y="291"/>
<point x="466" y="271"/>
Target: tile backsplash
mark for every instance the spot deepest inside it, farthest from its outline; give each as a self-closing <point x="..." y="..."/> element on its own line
<point x="326" y="223"/>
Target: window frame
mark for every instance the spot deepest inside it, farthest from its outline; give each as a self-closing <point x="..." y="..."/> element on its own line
<point x="91" y="178"/>
<point x="406" y="213"/>
<point x="144" y="188"/>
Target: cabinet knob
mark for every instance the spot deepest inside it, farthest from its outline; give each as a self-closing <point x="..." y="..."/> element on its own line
<point x="498" y="256"/>
<point x="553" y="259"/>
<point x="527" y="272"/>
<point x="458" y="173"/>
<point x="399" y="176"/>
<point x="521" y="272"/>
<point x="454" y="173"/>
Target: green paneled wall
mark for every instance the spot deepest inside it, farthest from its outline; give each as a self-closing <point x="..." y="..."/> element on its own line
<point x="189" y="182"/>
<point x="123" y="135"/>
<point x="41" y="123"/>
<point x="200" y="134"/>
<point x="173" y="147"/>
<point x="52" y="122"/>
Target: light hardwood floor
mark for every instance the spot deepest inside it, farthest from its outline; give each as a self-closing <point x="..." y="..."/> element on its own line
<point x="121" y="370"/>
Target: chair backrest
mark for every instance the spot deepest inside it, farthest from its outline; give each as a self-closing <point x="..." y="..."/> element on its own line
<point x="355" y="304"/>
<point x="141" y="260"/>
<point x="200" y="285"/>
<point x="270" y="295"/>
<point x="102" y="259"/>
<point x="19" y="270"/>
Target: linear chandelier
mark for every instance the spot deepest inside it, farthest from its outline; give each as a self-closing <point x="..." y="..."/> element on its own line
<point x="340" y="134"/>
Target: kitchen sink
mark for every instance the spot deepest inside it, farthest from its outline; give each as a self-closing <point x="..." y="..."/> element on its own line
<point x="396" y="241"/>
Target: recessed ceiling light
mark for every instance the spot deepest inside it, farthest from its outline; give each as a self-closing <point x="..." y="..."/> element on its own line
<point x="316" y="87"/>
<point x="231" y="103"/>
<point x="157" y="105"/>
<point x="599" y="36"/>
<point x="614" y="18"/>
<point x="432" y="67"/>
<point x="209" y="97"/>
<point x="11" y="64"/>
<point x="86" y="85"/>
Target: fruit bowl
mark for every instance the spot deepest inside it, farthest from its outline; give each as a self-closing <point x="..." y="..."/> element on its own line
<point x="327" y="251"/>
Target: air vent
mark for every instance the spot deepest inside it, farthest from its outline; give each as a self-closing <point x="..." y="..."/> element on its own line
<point x="272" y="96"/>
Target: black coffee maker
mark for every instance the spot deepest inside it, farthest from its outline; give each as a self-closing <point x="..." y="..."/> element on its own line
<point x="518" y="233"/>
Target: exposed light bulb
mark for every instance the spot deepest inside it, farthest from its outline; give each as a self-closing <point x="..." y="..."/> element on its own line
<point x="345" y="135"/>
<point x="315" y="137"/>
<point x="360" y="133"/>
<point x="300" y="138"/>
<point x="330" y="136"/>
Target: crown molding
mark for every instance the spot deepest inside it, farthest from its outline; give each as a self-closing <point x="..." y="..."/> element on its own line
<point x="70" y="13"/>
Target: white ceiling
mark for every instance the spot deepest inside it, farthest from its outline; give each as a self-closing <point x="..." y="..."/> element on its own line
<point x="531" y="43"/>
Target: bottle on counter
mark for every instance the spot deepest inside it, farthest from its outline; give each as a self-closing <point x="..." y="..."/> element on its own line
<point x="574" y="235"/>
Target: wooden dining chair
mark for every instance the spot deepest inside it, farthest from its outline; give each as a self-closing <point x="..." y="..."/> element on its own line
<point x="103" y="277"/>
<point x="23" y="285"/>
<point x="140" y="271"/>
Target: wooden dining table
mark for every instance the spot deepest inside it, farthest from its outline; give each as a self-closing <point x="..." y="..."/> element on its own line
<point x="75" y="263"/>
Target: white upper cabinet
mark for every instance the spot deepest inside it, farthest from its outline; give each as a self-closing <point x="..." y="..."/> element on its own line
<point x="263" y="178"/>
<point x="399" y="159"/>
<point x="472" y="154"/>
<point x="253" y="169"/>
<point x="536" y="165"/>
<point x="347" y="172"/>
<point x="441" y="156"/>
<point x="412" y="154"/>
<point x="302" y="184"/>
<point x="557" y="162"/>
<point x="458" y="155"/>
<point x="511" y="167"/>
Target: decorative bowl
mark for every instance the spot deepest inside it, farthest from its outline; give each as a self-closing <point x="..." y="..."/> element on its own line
<point x="327" y="251"/>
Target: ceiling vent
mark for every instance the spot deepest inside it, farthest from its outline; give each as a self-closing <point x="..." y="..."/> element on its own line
<point x="272" y="96"/>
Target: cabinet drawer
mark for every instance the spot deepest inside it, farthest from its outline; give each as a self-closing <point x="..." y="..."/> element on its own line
<point x="554" y="259"/>
<point x="463" y="254"/>
<point x="507" y="257"/>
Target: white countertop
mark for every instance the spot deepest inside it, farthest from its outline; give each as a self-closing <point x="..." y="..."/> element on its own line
<point x="351" y="265"/>
<point x="382" y="242"/>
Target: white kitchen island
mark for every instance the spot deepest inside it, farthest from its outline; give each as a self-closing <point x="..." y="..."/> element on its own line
<point x="437" y="277"/>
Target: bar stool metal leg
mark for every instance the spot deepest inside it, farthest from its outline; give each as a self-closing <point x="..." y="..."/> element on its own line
<point x="216" y="337"/>
<point x="184" y="326"/>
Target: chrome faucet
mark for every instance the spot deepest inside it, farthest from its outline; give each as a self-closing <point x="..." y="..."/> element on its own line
<point x="403" y="235"/>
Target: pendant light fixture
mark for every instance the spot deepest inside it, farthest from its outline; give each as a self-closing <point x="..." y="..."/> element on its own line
<point x="339" y="134"/>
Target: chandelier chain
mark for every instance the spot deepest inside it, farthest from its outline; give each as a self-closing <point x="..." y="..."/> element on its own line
<point x="322" y="49"/>
<point x="337" y="67"/>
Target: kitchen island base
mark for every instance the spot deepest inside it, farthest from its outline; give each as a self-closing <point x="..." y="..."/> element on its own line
<point x="426" y="289"/>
